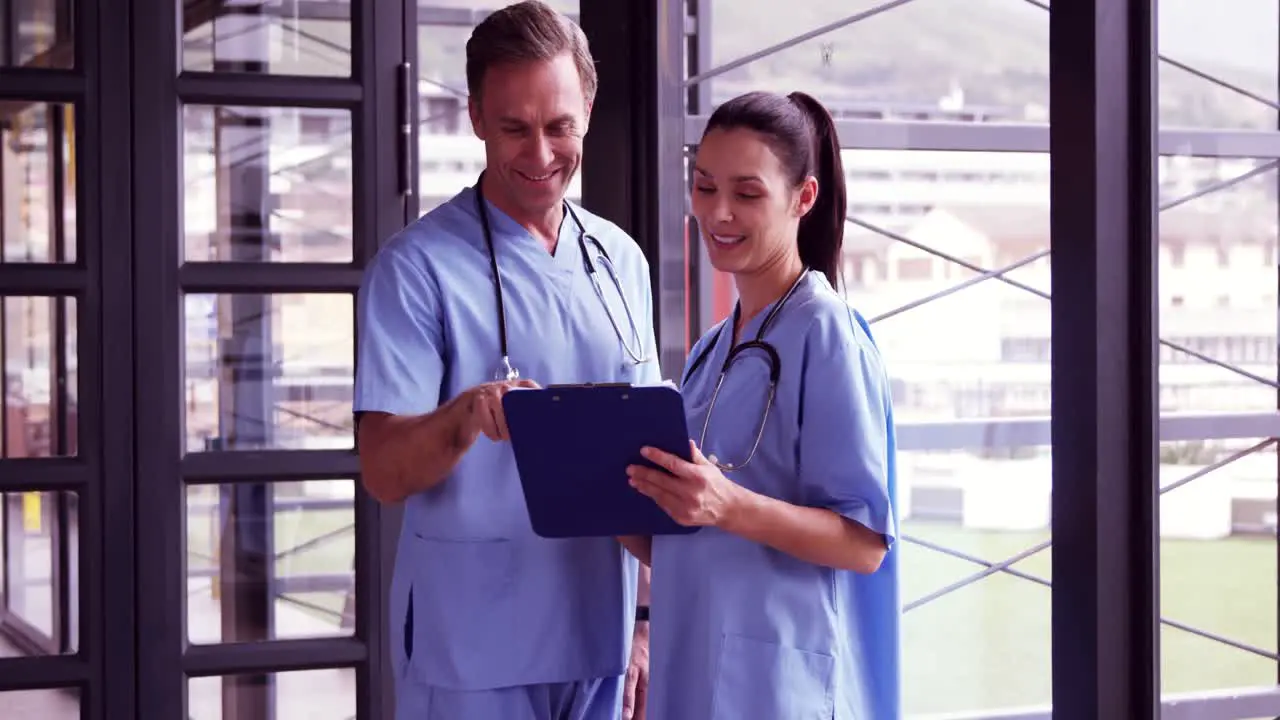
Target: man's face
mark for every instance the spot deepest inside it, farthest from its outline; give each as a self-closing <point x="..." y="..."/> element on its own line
<point x="532" y="117"/>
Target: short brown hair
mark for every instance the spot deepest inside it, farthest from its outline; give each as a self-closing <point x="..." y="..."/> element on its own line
<point x="523" y="32"/>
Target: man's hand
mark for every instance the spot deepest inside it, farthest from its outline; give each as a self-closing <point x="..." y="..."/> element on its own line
<point x="634" y="698"/>
<point x="482" y="408"/>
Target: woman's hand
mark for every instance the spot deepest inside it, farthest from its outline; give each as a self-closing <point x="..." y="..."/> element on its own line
<point x="697" y="493"/>
<point x="692" y="493"/>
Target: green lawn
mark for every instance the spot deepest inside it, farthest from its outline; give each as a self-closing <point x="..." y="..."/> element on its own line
<point x="985" y="646"/>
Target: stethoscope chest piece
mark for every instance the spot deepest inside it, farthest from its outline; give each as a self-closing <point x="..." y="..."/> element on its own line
<point x="735" y="353"/>
<point x="506" y="371"/>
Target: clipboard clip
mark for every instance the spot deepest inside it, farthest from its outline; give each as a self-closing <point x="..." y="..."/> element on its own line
<point x="577" y="386"/>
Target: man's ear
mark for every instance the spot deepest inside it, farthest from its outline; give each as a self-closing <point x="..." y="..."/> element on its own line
<point x="586" y="119"/>
<point x="477" y="118"/>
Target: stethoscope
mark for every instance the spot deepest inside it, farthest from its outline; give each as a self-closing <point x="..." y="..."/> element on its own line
<point x="506" y="371"/>
<point x="775" y="370"/>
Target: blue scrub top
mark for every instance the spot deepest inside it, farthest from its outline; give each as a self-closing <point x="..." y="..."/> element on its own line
<point x="493" y="605"/>
<point x="741" y="631"/>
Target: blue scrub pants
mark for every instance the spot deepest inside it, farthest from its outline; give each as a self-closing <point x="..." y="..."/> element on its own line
<point x="598" y="699"/>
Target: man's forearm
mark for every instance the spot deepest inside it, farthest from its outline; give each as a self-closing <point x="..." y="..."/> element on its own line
<point x="642" y="585"/>
<point x="403" y="455"/>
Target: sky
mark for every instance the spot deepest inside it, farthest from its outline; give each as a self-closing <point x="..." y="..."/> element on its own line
<point x="1241" y="33"/>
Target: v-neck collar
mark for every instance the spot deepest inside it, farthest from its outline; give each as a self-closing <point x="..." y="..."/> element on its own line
<point x="751" y="327"/>
<point x="722" y="341"/>
<point x="506" y="228"/>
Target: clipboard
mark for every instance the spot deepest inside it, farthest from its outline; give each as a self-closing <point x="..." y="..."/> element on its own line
<point x="572" y="446"/>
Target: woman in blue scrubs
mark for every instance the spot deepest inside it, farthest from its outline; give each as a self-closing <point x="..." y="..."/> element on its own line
<point x="785" y="604"/>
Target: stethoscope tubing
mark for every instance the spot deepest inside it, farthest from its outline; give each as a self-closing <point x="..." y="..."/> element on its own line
<point x="509" y="372"/>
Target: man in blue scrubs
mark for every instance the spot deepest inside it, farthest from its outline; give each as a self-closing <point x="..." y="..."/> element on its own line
<point x="489" y="621"/>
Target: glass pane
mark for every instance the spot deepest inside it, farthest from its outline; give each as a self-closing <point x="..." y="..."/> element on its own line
<point x="267" y="184"/>
<point x="1227" y="57"/>
<point x="1218" y="571"/>
<point x="978" y="355"/>
<point x="310" y="694"/>
<point x="38" y="198"/>
<point x="51" y="704"/>
<point x="278" y="37"/>
<point x="40" y="408"/>
<point x="269" y="372"/>
<point x="38" y="33"/>
<point x="270" y="561"/>
<point x="989" y="59"/>
<point x="41" y="572"/>
<point x="450" y="156"/>
<point x="1218" y="318"/>
<point x="959" y="60"/>
<point x="1217" y="285"/>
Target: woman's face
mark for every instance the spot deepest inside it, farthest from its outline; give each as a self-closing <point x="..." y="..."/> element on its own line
<point x="747" y="208"/>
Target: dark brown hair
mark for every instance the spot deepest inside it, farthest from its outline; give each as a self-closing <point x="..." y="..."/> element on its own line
<point x="802" y="134"/>
<point x="524" y="32"/>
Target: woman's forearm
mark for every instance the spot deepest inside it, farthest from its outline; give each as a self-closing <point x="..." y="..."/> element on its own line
<point x="814" y="535"/>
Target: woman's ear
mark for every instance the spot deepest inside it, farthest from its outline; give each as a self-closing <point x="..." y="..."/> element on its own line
<point x="807" y="196"/>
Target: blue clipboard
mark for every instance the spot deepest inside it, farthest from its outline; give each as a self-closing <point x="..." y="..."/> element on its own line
<point x="572" y="446"/>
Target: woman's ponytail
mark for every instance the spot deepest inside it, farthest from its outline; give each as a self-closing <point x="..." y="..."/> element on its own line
<point x="821" y="235"/>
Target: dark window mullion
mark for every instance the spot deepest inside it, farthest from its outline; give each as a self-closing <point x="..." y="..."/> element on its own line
<point x="268" y="277"/>
<point x="43" y="672"/>
<point x="105" y="514"/>
<point x="384" y="39"/>
<point x="44" y="474"/>
<point x="20" y="88"/>
<point x="232" y="87"/>
<point x="10" y="11"/>
<point x="157" y="219"/>
<point x="271" y="657"/>
<point x="1105" y="599"/>
<point x="41" y="279"/>
<point x="203" y="468"/>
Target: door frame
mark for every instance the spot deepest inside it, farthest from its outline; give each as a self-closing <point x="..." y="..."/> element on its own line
<point x="165" y="660"/>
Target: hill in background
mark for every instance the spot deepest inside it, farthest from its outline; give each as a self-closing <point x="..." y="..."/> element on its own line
<point x="995" y="51"/>
<point x="985" y="53"/>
